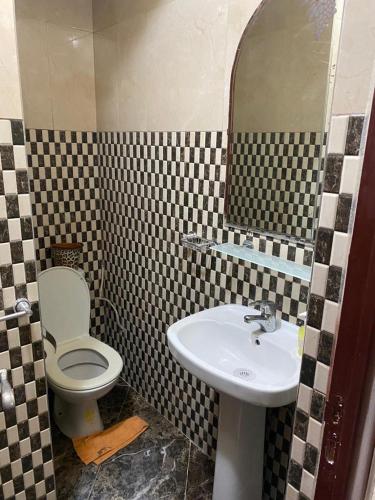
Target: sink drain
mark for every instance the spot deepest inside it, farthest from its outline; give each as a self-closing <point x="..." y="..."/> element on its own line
<point x="244" y="373"/>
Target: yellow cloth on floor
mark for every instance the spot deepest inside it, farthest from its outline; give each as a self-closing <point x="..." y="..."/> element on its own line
<point x="102" y="445"/>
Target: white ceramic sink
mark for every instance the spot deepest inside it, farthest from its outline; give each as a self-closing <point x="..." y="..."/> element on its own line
<point x="237" y="358"/>
<point x="251" y="369"/>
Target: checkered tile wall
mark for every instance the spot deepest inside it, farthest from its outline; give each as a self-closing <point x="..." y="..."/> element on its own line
<point x="279" y="426"/>
<point x="274" y="181"/>
<point x="155" y="187"/>
<point x="26" y="466"/>
<point x="151" y="188"/>
<point x="341" y="183"/>
<point x="64" y="181"/>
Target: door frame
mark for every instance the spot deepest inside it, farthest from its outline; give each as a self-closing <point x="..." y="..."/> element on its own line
<point x="354" y="357"/>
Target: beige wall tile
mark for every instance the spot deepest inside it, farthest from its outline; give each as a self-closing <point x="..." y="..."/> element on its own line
<point x="10" y="92"/>
<point x="106" y="13"/>
<point x="5" y="132"/>
<point x="356" y="58"/>
<point x="57" y="63"/>
<point x="109" y="12"/>
<point x="106" y="79"/>
<point x="31" y="9"/>
<point x="71" y="13"/>
<point x="71" y="63"/>
<point x="35" y="77"/>
<point x="291" y="493"/>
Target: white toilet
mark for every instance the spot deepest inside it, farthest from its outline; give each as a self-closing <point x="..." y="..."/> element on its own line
<point x="81" y="369"/>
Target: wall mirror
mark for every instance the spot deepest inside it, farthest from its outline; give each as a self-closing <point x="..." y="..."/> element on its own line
<point x="277" y="130"/>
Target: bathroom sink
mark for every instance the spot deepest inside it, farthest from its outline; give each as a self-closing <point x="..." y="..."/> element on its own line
<point x="236" y="358"/>
<point x="251" y="369"/>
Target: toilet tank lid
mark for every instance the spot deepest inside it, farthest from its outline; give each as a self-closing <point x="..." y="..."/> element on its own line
<point x="64" y="301"/>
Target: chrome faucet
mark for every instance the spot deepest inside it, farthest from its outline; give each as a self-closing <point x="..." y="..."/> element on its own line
<point x="267" y="317"/>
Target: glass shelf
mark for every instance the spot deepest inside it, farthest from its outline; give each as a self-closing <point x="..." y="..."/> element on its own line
<point x="262" y="259"/>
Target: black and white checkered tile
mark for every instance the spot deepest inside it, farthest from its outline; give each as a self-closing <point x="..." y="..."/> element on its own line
<point x="279" y="428"/>
<point x="155" y="187"/>
<point x="341" y="183"/>
<point x="274" y="181"/>
<point x="26" y="465"/>
<point x="64" y="182"/>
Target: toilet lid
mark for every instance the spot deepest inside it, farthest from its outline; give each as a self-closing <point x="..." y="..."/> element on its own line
<point x="64" y="300"/>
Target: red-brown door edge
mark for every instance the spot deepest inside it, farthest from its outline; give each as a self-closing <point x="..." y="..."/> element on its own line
<point x="354" y="352"/>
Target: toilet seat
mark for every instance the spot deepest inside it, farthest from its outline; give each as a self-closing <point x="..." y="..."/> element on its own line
<point x="57" y="377"/>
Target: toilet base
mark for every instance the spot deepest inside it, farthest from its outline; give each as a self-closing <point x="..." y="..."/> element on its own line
<point x="77" y="420"/>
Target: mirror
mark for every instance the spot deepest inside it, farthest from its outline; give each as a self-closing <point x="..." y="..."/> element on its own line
<point x="277" y="119"/>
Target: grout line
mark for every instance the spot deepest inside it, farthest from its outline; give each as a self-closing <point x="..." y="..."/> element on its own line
<point x="187" y="471"/>
<point x="94" y="482"/>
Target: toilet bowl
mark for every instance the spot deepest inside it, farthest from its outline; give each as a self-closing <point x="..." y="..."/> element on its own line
<point x="80" y="369"/>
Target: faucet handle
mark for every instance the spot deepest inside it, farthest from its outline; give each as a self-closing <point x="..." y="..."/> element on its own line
<point x="266" y="318"/>
<point x="266" y="307"/>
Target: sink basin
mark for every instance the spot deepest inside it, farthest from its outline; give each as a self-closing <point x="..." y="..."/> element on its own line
<point x="237" y="358"/>
<point x="251" y="369"/>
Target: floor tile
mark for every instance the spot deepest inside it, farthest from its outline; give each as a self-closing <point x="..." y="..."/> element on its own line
<point x="154" y="472"/>
<point x="74" y="480"/>
<point x="154" y="466"/>
<point x="200" y="476"/>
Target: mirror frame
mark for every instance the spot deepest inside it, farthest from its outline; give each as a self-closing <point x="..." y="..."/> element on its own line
<point x="336" y="29"/>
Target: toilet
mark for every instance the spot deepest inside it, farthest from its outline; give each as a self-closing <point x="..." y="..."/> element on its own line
<point x="80" y="369"/>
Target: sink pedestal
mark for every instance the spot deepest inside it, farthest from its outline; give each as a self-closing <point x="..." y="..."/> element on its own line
<point x="240" y="451"/>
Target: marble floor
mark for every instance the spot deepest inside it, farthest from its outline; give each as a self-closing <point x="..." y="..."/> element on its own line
<point x="160" y="464"/>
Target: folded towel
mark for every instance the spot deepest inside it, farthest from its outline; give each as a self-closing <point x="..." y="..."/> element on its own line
<point x="102" y="445"/>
